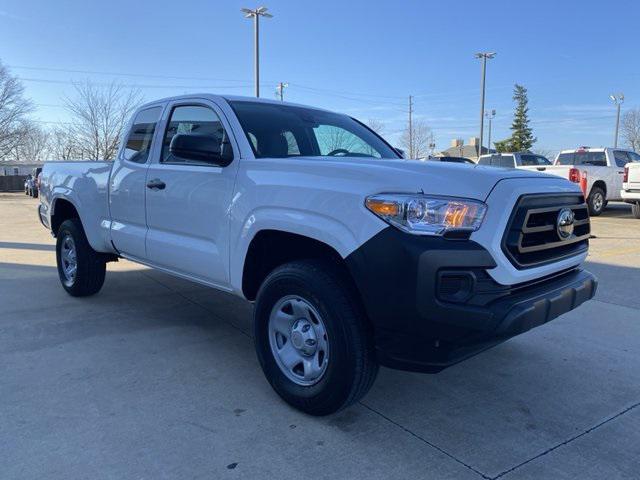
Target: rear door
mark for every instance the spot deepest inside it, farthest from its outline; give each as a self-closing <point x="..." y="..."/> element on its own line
<point x="127" y="184"/>
<point x="187" y="201"/>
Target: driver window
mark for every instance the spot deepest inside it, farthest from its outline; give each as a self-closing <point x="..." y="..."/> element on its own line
<point x="192" y="120"/>
<point x="338" y="141"/>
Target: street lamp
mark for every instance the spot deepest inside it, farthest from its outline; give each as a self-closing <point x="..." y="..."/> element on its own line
<point x="256" y="14"/>
<point x="490" y="115"/>
<point x="618" y="99"/>
<point x="484" y="56"/>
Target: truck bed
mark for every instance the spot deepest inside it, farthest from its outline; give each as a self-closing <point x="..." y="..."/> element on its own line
<point x="86" y="185"/>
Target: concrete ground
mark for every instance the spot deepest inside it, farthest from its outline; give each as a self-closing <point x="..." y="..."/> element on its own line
<point x="156" y="378"/>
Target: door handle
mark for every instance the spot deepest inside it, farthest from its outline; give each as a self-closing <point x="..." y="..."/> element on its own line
<point x="156" y="184"/>
<point x="541" y="169"/>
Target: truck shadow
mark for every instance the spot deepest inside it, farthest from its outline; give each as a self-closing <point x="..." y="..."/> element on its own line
<point x="27" y="246"/>
<point x="617" y="210"/>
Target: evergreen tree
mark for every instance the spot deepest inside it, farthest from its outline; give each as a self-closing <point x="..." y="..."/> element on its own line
<point x="522" y="138"/>
<point x="503" y="146"/>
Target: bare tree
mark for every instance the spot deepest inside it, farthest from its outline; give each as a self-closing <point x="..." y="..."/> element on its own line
<point x="14" y="108"/>
<point x="98" y="116"/>
<point x="34" y="144"/>
<point x="417" y="143"/>
<point x="376" y="125"/>
<point x="548" y="154"/>
<point x="631" y="128"/>
<point x="63" y="145"/>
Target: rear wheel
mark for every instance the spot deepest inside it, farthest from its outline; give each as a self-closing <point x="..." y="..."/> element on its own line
<point x="312" y="338"/>
<point x="635" y="209"/>
<point x="81" y="269"/>
<point x="596" y="201"/>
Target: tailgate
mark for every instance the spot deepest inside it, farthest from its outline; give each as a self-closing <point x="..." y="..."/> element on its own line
<point x="558" y="170"/>
<point x="633" y="181"/>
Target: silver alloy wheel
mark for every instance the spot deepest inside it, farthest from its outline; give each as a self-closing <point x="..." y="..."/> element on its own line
<point x="598" y="201"/>
<point x="68" y="260"/>
<point x="298" y="340"/>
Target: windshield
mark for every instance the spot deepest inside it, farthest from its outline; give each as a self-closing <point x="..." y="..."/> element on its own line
<point x="280" y="131"/>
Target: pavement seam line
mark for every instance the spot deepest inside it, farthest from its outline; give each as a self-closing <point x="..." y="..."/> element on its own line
<point x="608" y="302"/>
<point x="566" y="442"/>
<point x="424" y="440"/>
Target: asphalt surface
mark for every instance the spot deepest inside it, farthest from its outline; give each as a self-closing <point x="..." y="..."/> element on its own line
<point x="156" y="378"/>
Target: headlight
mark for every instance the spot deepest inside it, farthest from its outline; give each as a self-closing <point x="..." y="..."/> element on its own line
<point x="427" y="215"/>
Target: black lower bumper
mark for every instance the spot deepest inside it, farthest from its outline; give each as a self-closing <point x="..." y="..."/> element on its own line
<point x="423" y="324"/>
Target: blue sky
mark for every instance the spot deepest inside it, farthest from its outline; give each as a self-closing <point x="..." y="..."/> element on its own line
<point x="362" y="58"/>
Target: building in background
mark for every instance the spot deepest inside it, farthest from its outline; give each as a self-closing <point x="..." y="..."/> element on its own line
<point x="18" y="168"/>
<point x="459" y="149"/>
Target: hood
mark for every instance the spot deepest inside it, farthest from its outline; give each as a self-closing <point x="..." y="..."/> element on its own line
<point x="412" y="176"/>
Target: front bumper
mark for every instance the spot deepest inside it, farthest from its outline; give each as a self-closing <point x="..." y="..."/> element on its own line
<point x="420" y="326"/>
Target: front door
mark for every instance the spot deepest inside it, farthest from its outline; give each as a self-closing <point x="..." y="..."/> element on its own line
<point x="127" y="189"/>
<point x="187" y="201"/>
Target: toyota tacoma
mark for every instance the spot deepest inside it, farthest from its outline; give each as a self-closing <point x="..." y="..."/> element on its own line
<point x="353" y="256"/>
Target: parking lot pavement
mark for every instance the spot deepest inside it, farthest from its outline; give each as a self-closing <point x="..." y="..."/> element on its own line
<point x="156" y="378"/>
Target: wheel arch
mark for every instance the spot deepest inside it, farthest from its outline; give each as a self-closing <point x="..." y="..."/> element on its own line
<point x="601" y="185"/>
<point x="270" y="248"/>
<point x="62" y="209"/>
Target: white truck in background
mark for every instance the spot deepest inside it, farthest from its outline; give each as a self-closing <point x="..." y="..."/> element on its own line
<point x="630" y="192"/>
<point x="522" y="160"/>
<point x="598" y="171"/>
<point x="353" y="256"/>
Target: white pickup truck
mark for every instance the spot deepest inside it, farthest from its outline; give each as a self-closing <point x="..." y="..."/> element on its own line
<point x="630" y="192"/>
<point x="353" y="256"/>
<point x="598" y="171"/>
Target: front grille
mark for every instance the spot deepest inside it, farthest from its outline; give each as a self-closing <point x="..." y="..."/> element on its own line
<point x="532" y="239"/>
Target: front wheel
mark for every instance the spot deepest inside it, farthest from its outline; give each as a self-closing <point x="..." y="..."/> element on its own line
<point x="635" y="209"/>
<point x="596" y="201"/>
<point x="312" y="338"/>
<point x="81" y="269"/>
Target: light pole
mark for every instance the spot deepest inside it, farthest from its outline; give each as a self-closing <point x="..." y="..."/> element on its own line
<point x="256" y="14"/>
<point x="280" y="90"/>
<point x="484" y="56"/>
<point x="618" y="99"/>
<point x="490" y="115"/>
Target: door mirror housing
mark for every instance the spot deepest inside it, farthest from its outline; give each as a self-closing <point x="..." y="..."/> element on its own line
<point x="201" y="148"/>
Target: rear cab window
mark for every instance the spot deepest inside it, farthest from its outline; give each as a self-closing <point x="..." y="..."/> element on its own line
<point x="596" y="159"/>
<point x="565" y="159"/>
<point x="583" y="157"/>
<point x="529" y="160"/>
<point x="498" y="160"/>
<point x="141" y="135"/>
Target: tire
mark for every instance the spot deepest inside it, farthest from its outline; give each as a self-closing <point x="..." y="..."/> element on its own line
<point x="349" y="365"/>
<point x="90" y="266"/>
<point x="635" y="209"/>
<point x="596" y="201"/>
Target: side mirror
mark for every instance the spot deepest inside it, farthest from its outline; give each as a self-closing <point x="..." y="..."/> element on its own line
<point x="199" y="148"/>
<point x="401" y="152"/>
